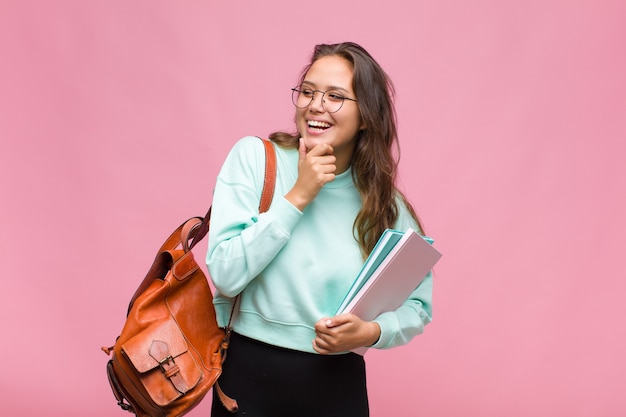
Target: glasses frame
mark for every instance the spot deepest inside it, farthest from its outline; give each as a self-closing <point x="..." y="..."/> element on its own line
<point x="298" y="90"/>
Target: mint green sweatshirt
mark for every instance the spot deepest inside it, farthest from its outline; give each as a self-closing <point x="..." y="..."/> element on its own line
<point x="292" y="268"/>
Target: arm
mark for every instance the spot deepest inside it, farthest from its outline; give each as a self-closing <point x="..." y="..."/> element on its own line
<point x="347" y="331"/>
<point x="243" y="242"/>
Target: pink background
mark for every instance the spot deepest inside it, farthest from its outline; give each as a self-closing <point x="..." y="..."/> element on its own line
<point x="115" y="117"/>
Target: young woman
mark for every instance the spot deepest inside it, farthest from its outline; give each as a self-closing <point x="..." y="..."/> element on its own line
<point x="335" y="194"/>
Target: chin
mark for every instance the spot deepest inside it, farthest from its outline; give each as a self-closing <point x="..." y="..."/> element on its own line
<point x="312" y="141"/>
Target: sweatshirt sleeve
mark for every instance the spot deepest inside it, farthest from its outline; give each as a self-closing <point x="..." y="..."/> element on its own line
<point x="400" y="326"/>
<point x="243" y="242"/>
<point x="407" y="321"/>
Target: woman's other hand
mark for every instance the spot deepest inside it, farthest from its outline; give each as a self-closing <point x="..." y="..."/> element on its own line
<point x="343" y="333"/>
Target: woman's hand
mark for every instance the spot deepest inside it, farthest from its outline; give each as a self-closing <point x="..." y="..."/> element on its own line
<point x="343" y="333"/>
<point x="315" y="168"/>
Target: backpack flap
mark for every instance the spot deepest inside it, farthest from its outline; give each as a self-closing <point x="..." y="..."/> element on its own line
<point x="161" y="357"/>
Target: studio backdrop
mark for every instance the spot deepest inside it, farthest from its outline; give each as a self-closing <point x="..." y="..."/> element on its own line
<point x="512" y="126"/>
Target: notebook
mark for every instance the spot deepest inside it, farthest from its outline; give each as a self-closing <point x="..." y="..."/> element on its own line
<point x="396" y="266"/>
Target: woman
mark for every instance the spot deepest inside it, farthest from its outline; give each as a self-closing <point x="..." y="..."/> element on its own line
<point x="335" y="194"/>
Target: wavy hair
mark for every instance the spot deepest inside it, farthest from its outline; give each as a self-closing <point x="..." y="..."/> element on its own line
<point x="374" y="164"/>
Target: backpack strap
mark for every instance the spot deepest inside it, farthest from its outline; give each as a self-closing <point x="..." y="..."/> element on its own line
<point x="269" y="182"/>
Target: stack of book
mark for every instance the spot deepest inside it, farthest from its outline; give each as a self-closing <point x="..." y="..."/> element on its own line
<point x="397" y="265"/>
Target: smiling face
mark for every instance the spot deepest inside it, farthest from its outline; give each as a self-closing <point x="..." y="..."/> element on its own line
<point x="338" y="129"/>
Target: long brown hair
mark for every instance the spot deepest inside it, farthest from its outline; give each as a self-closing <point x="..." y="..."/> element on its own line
<point x="374" y="164"/>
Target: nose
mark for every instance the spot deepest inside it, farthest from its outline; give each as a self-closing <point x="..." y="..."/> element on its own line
<point x="317" y="104"/>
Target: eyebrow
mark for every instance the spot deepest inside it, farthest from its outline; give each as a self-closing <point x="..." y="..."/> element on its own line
<point x="332" y="87"/>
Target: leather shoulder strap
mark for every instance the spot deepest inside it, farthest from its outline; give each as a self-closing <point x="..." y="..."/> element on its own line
<point x="269" y="183"/>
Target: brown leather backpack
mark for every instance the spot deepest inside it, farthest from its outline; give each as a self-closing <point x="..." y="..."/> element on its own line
<point x="170" y="351"/>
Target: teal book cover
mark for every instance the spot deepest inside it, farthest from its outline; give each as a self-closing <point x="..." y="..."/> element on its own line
<point x="383" y="247"/>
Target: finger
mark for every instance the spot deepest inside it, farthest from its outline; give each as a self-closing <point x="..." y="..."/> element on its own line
<point x="333" y="322"/>
<point x="302" y="149"/>
<point x="338" y="320"/>
<point x="319" y="349"/>
<point x="321" y="326"/>
<point x="320" y="166"/>
<point x="321" y="150"/>
<point x="322" y="346"/>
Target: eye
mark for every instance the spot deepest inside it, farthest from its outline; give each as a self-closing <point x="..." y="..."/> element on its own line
<point x="334" y="96"/>
<point x="307" y="92"/>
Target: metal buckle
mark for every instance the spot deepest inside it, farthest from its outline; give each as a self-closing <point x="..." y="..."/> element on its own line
<point x="166" y="361"/>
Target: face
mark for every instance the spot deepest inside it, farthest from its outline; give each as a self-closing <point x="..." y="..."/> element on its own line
<point x="338" y="129"/>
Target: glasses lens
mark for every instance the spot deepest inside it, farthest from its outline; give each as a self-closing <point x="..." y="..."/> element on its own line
<point x="301" y="97"/>
<point x="333" y="101"/>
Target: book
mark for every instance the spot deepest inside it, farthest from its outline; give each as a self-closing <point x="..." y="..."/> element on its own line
<point x="397" y="265"/>
<point x="387" y="241"/>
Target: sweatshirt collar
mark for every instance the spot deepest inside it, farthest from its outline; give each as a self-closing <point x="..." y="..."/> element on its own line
<point x="342" y="180"/>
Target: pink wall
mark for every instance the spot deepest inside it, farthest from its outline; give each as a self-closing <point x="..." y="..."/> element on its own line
<point x="513" y="130"/>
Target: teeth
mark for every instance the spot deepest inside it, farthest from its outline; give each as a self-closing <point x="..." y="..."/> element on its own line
<point x="315" y="123"/>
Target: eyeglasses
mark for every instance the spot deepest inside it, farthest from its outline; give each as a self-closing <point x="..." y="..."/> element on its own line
<point x="332" y="100"/>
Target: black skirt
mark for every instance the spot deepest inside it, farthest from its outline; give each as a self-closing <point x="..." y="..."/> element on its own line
<point x="269" y="381"/>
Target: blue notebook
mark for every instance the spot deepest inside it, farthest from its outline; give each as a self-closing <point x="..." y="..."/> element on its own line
<point x="383" y="247"/>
